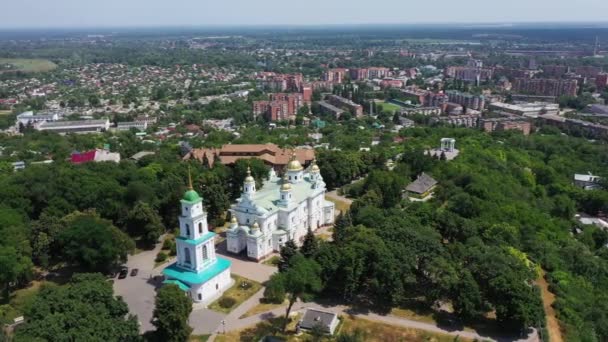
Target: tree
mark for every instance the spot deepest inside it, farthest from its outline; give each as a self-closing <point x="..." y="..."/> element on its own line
<point x="310" y="246"/>
<point x="343" y="222"/>
<point x="301" y="280"/>
<point x="13" y="266"/>
<point x="143" y="221"/>
<point x="92" y="242"/>
<point x="288" y="251"/>
<point x="83" y="310"/>
<point x="171" y="311"/>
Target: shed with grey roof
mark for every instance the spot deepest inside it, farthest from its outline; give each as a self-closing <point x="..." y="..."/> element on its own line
<point x="327" y="321"/>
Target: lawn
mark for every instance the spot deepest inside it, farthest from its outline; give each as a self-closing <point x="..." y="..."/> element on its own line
<point x="343" y="206"/>
<point x="242" y="290"/>
<point x="413" y="315"/>
<point x="5" y="112"/>
<point x="19" y="300"/>
<point x="378" y="331"/>
<point x="262" y="307"/>
<point x="271" y="327"/>
<point x="198" y="338"/>
<point x="29" y="65"/>
<point x="388" y="107"/>
<point x="272" y="261"/>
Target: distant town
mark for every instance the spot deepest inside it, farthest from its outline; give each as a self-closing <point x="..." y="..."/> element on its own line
<point x="379" y="184"/>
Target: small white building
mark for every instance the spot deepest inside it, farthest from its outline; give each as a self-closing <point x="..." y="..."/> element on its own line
<point x="284" y="209"/>
<point x="30" y="118"/>
<point x="324" y="320"/>
<point x="587" y="181"/>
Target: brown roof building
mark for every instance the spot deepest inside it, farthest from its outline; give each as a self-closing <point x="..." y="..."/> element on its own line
<point x="271" y="154"/>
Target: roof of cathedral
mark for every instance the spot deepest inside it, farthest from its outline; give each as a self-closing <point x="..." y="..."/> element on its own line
<point x="267" y="199"/>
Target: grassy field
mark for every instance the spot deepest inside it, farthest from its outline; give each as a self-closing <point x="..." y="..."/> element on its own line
<point x="272" y="261"/>
<point x="28" y="65"/>
<point x="377" y="331"/>
<point x="270" y="327"/>
<point x="262" y="307"/>
<point x="198" y="338"/>
<point x="238" y="292"/>
<point x="388" y="107"/>
<point x="19" y="300"/>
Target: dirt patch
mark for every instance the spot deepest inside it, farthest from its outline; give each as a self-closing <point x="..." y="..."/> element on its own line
<point x="555" y="333"/>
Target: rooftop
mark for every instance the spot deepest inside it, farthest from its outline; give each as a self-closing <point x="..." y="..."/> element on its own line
<point x="422" y="184"/>
<point x="189" y="277"/>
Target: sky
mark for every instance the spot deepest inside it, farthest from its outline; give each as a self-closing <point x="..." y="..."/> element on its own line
<point x="139" y="13"/>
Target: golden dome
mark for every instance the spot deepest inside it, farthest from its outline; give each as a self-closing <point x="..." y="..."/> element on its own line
<point x="233" y="219"/>
<point x="315" y="167"/>
<point x="286" y="186"/>
<point x="294" y="164"/>
<point x="255" y="225"/>
<point x="249" y="179"/>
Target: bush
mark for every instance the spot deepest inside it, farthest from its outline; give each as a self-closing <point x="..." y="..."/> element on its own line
<point x="161" y="257"/>
<point x="173" y="250"/>
<point x="227" y="302"/>
<point x="167" y="244"/>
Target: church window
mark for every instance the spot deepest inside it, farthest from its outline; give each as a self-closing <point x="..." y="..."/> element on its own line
<point x="205" y="253"/>
<point x="187" y="229"/>
<point x="187" y="255"/>
<point x="200" y="227"/>
<point x="217" y="286"/>
<point x="200" y="296"/>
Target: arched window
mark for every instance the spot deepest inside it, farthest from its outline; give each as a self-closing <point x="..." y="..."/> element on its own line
<point x="205" y="253"/>
<point x="200" y="296"/>
<point x="200" y="227"/>
<point x="187" y="256"/>
<point x="187" y="229"/>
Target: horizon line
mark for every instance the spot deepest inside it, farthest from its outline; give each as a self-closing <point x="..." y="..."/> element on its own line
<point x="466" y="24"/>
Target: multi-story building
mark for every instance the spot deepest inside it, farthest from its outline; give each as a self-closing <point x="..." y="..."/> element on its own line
<point x="469" y="120"/>
<point x="335" y="75"/>
<point x="281" y="106"/>
<point x="338" y="101"/>
<point x="555" y="71"/>
<point x="545" y="86"/>
<point x="327" y="108"/>
<point x="197" y="271"/>
<point x="504" y="124"/>
<point x="279" y="82"/>
<point x="601" y="81"/>
<point x="284" y="209"/>
<point x="468" y="74"/>
<point x="530" y="109"/>
<point x="476" y="102"/>
<point x="359" y="74"/>
<point x="377" y="72"/>
<point x="587" y="71"/>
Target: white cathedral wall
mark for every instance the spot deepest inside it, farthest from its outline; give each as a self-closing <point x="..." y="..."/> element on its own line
<point x="212" y="289"/>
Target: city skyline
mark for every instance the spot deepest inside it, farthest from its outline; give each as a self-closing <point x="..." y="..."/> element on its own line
<point x="140" y="13"/>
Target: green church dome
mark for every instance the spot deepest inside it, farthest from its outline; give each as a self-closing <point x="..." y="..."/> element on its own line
<point x="191" y="196"/>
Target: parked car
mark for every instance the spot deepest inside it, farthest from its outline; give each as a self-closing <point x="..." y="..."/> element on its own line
<point x="134" y="272"/>
<point x="123" y="273"/>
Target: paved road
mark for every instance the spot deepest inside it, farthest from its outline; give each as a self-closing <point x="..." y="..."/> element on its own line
<point x="139" y="291"/>
<point x="234" y="323"/>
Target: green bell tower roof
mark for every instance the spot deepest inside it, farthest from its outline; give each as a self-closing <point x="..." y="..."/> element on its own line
<point x="191" y="195"/>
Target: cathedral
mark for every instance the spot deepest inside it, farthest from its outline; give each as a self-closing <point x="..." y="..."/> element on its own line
<point x="284" y="209"/>
<point x="197" y="271"/>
